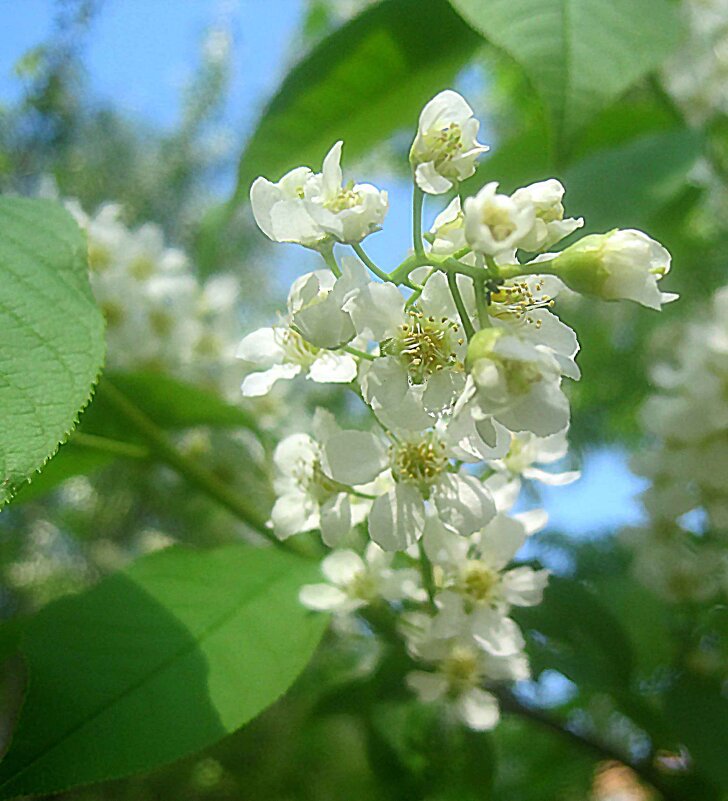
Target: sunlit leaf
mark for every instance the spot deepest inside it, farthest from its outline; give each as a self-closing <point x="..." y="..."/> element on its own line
<point x="52" y="344"/>
<point x="156" y="662"/>
<point x="578" y="54"/>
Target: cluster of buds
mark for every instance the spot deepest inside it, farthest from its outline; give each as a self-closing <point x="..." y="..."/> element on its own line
<point x="460" y="359"/>
<point x="681" y="553"/>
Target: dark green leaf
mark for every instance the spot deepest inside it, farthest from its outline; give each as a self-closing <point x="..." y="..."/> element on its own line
<point x="368" y="79"/>
<point x="634" y="180"/>
<point x="698" y="709"/>
<point x="157" y="662"/>
<point x="574" y="633"/>
<point x="52" y="344"/>
<point x="578" y="54"/>
<point x="169" y="402"/>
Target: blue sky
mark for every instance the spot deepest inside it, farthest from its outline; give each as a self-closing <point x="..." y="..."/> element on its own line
<point x="141" y="53"/>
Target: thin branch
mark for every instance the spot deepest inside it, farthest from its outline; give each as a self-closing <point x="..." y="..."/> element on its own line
<point x="600" y="749"/>
<point x="111" y="446"/>
<point x="418" y="199"/>
<point x="165" y="452"/>
<point x="361" y="253"/>
<point x="452" y="282"/>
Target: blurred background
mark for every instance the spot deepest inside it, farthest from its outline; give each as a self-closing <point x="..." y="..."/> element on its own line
<point x="149" y="120"/>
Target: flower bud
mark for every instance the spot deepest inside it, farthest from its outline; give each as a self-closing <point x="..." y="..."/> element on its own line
<point x="619" y="265"/>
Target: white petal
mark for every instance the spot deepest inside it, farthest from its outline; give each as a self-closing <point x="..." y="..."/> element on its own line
<point x="341" y="567"/>
<point x="496" y="634"/>
<point x="397" y="519"/>
<point x="293" y="514"/>
<point x="323" y="597"/>
<point x="429" y="179"/>
<point x="501" y="540"/>
<point x="355" y="457"/>
<point x="428" y="686"/>
<point x="463" y="503"/>
<point x="377" y="310"/>
<point x="257" y="384"/>
<point x="478" y="709"/>
<point x="261" y="347"/>
<point x="335" y="519"/>
<point x="552" y="479"/>
<point x="523" y="586"/>
<point x="333" y="368"/>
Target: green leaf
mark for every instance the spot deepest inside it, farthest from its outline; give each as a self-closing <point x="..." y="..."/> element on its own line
<point x="635" y="179"/>
<point x="574" y="633"/>
<point x="70" y="460"/>
<point x="578" y="54"/>
<point x="366" y="80"/>
<point x="156" y="662"/>
<point x="170" y="403"/>
<point x="52" y="343"/>
<point x="698" y="710"/>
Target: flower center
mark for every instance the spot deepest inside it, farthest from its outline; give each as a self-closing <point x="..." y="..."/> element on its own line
<point x="345" y="198"/>
<point x="445" y="144"/>
<point x="425" y="345"/>
<point x="520" y="376"/>
<point x="461" y="669"/>
<point x="363" y="586"/>
<point x="419" y="462"/>
<point x="478" y="581"/>
<point x="99" y="257"/>
<point x="516" y="301"/>
<point x="296" y="349"/>
<point x="311" y="478"/>
<point x="142" y="268"/>
<point x="499" y="220"/>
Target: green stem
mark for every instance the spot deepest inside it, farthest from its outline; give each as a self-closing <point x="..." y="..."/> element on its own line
<point x="452" y="282"/>
<point x="428" y="579"/>
<point x="481" y="303"/>
<point x="360" y="252"/>
<point x="165" y="452"/>
<point x="356" y="352"/>
<point x="418" y="199"/>
<point x="516" y="270"/>
<point x="327" y="254"/>
<point x="415" y="296"/>
<point x="111" y="446"/>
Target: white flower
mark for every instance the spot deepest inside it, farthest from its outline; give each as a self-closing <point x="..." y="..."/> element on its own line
<point x="460" y="669"/>
<point x="421" y="467"/>
<point x="317" y="306"/>
<point x="549" y="226"/>
<point x="527" y="450"/>
<point x="445" y="147"/>
<point x="311" y="208"/>
<point x="281" y="211"/>
<point x="516" y="382"/>
<point x="621" y="264"/>
<point x="355" y="582"/>
<point x="420" y="370"/>
<point x="477" y="592"/>
<point x="348" y="213"/>
<point x="522" y="307"/>
<point x="495" y="224"/>
<point x="447" y="234"/>
<point x="286" y="353"/>
<point x="308" y="497"/>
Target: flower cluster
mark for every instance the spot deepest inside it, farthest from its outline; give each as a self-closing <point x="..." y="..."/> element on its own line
<point x="460" y="359"/>
<point x="681" y="554"/>
<point x="697" y="76"/>
<point x="158" y="315"/>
